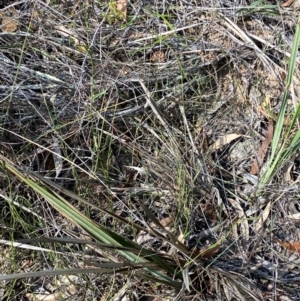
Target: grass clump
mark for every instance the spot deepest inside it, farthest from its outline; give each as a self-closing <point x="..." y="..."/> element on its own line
<point x="137" y="157"/>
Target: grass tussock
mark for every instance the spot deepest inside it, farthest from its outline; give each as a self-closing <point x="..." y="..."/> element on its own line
<point x="149" y="150"/>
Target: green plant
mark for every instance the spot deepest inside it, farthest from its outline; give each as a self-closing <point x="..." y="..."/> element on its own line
<point x="285" y="142"/>
<point x="113" y="15"/>
<point x="161" y="268"/>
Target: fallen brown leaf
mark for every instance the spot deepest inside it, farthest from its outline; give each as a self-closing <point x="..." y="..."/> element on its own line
<point x="287" y="171"/>
<point x="223" y="141"/>
<point x="158" y="56"/>
<point x="257" y="163"/>
<point x="9" y="20"/>
<point x="122" y="7"/>
<point x="181" y="236"/>
<point x="291" y="246"/>
<point x="167" y="221"/>
<point x="287" y="3"/>
<point x="295" y="216"/>
<point x="243" y="222"/>
<point x="263" y="217"/>
<point x="206" y="252"/>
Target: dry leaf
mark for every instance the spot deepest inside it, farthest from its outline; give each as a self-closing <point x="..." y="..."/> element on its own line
<point x="143" y="237"/>
<point x="287" y="3"/>
<point x="287" y="171"/>
<point x="296" y="5"/>
<point x="243" y="222"/>
<point x="263" y="217"/>
<point x="283" y="298"/>
<point x="166" y="222"/>
<point x="209" y="210"/>
<point x="122" y="7"/>
<point x="9" y="20"/>
<point x="291" y="246"/>
<point x="263" y="149"/>
<point x="157" y="57"/>
<point x="42" y="297"/>
<point x="181" y="236"/>
<point x="9" y="24"/>
<point x="224" y="140"/>
<point x="295" y="216"/>
<point x="206" y="252"/>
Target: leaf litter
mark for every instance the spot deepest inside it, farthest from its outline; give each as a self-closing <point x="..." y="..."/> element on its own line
<point x="124" y="95"/>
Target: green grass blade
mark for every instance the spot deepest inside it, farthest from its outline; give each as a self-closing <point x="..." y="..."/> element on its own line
<point x="281" y="153"/>
<point x="95" y="230"/>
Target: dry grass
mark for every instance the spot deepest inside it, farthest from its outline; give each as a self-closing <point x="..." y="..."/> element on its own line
<point x="124" y="113"/>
